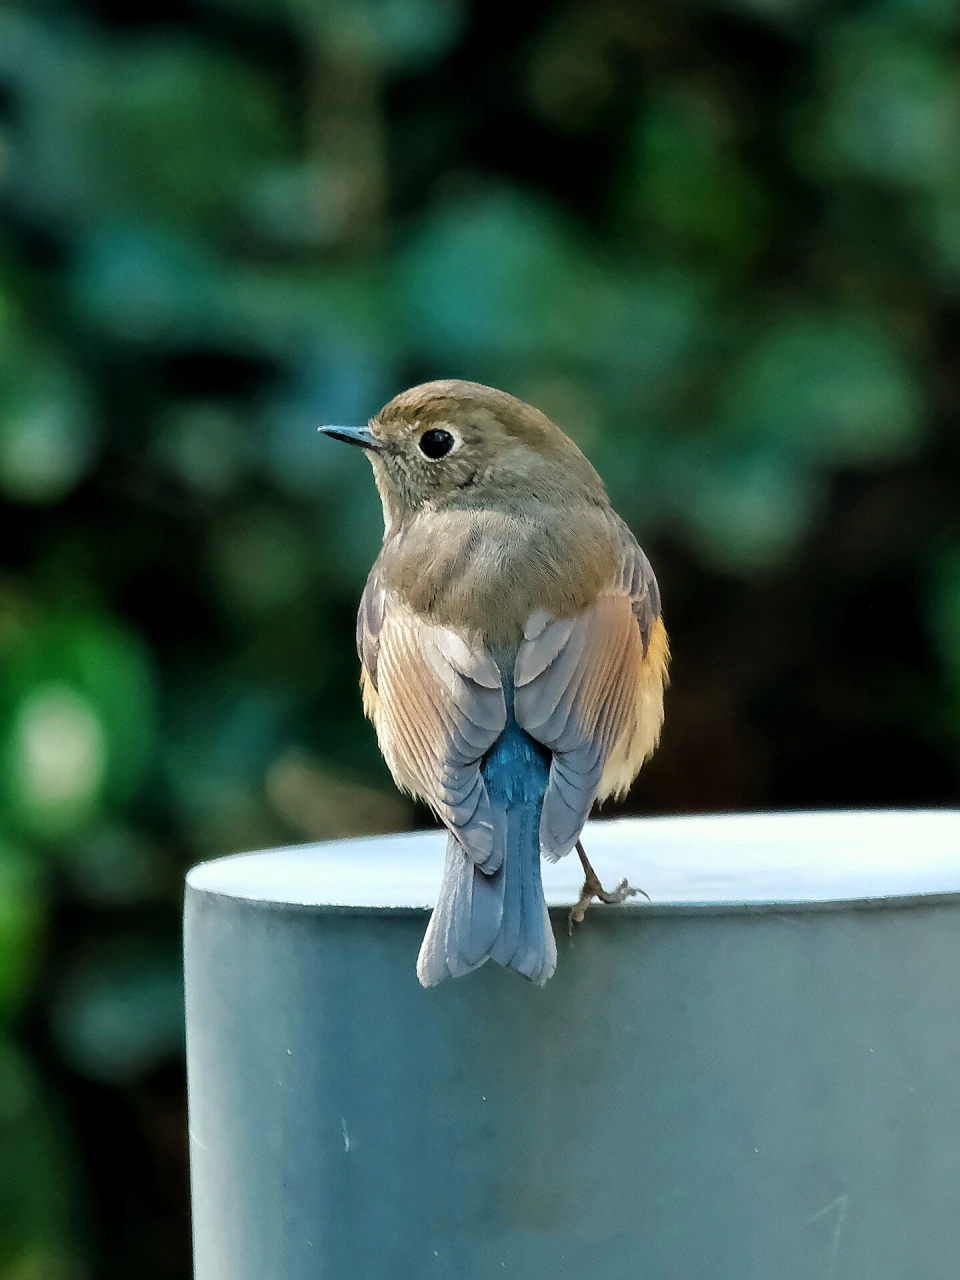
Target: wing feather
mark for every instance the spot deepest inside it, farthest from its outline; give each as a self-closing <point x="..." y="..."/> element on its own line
<point x="590" y="689"/>
<point x="438" y="705"/>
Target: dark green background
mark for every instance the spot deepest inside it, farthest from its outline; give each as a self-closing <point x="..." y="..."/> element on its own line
<point x="719" y="243"/>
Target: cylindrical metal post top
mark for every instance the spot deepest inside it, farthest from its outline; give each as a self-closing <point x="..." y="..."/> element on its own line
<point x="754" y="1077"/>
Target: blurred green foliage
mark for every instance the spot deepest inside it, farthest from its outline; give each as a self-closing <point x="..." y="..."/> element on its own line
<point x="718" y="242"/>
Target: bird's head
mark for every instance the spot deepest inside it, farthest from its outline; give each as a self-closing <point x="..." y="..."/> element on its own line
<point x="460" y="444"/>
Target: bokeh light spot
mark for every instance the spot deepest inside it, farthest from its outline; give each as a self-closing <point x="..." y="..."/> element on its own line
<point x="61" y="752"/>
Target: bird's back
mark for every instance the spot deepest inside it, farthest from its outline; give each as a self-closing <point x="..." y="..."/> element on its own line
<point x="484" y="571"/>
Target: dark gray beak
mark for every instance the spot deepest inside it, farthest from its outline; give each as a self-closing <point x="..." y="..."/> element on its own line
<point x="362" y="436"/>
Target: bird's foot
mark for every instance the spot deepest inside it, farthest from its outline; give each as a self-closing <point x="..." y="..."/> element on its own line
<point x="593" y="889"/>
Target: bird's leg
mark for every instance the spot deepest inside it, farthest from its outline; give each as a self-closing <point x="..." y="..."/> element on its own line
<point x="592" y="888"/>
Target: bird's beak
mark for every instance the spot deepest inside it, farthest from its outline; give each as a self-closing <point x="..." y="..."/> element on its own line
<point x="362" y="436"/>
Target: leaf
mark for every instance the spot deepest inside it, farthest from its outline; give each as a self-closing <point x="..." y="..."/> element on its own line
<point x="744" y="510"/>
<point x="22" y="918"/>
<point x="174" y="133"/>
<point x="688" y="186"/>
<point x="138" y="284"/>
<point x="834" y="386"/>
<point x="408" y="34"/>
<point x="39" y="1198"/>
<point x="887" y="108"/>
<point x="490" y="273"/>
<point x="119" y="1013"/>
<point x="48" y="441"/>
<point x="76" y="722"/>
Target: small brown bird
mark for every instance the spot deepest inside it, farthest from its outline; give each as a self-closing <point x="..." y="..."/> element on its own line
<point x="513" y="657"/>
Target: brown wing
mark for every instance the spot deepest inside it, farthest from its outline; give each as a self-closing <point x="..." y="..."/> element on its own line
<point x="590" y="688"/>
<point x="438" y="705"/>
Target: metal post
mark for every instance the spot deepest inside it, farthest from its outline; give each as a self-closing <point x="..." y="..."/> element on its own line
<point x="753" y="1078"/>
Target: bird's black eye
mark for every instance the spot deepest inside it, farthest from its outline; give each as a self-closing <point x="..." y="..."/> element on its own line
<point x="436" y="443"/>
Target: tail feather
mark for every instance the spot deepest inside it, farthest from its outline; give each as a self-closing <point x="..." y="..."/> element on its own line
<point x="476" y="909"/>
<point x="500" y="916"/>
<point x="507" y="943"/>
<point x="480" y="917"/>
<point x="540" y="958"/>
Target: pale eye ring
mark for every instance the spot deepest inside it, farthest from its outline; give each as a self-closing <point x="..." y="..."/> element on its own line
<point x="436" y="443"/>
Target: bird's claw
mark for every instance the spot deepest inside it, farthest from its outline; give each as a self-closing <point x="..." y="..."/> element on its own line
<point x="592" y="888"/>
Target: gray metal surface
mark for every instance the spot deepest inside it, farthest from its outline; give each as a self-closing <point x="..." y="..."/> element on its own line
<point x="753" y="1078"/>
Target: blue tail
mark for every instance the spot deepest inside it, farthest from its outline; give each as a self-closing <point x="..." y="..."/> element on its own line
<point x="501" y="917"/>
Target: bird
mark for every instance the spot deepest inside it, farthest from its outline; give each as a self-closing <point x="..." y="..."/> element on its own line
<point x="513" y="658"/>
